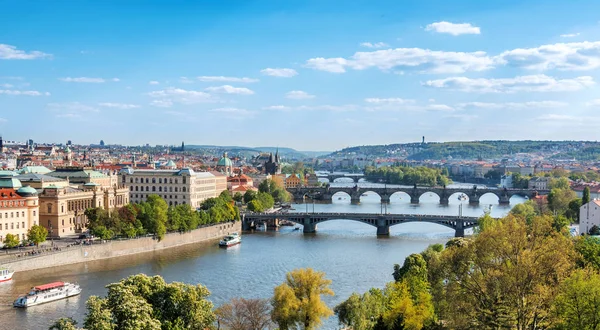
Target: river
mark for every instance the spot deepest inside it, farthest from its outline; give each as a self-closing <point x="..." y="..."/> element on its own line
<point x="348" y="252"/>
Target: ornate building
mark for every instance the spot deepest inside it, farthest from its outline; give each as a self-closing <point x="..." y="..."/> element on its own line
<point x="225" y="165"/>
<point x="19" y="208"/>
<point x="272" y="165"/>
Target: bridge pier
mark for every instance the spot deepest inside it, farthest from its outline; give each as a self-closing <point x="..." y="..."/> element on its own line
<point x="444" y="200"/>
<point x="385" y="199"/>
<point x="355" y="198"/>
<point x="383" y="229"/>
<point x="414" y="199"/>
<point x="474" y="199"/>
<point x="460" y="230"/>
<point x="247" y="225"/>
<point x="356" y="179"/>
<point x="504" y="199"/>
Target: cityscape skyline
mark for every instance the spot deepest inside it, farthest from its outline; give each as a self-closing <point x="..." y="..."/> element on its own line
<point x="308" y="76"/>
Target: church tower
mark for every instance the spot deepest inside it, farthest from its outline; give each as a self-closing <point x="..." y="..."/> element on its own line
<point x="68" y="156"/>
<point x="1" y="144"/>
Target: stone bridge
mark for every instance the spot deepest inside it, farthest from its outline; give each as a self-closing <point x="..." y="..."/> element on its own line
<point x="332" y="177"/>
<point x="381" y="221"/>
<point x="326" y="193"/>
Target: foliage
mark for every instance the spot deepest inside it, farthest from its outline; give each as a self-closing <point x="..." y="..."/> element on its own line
<point x="502" y="278"/>
<point x="559" y="183"/>
<point x="64" y="323"/>
<point x="297" y="302"/>
<point x="11" y="240"/>
<point x="407" y="175"/>
<point x="249" y="195"/>
<point x="275" y="189"/>
<point x="559" y="199"/>
<point x="361" y="312"/>
<point x="595" y="230"/>
<point x="37" y="234"/>
<point x="143" y="302"/>
<point x="238" y="197"/>
<point x="586" y="196"/>
<point x="245" y="314"/>
<point x="102" y="232"/>
<point x="525" y="210"/>
<point x="577" y="305"/>
<point x="588" y="248"/>
<point x="256" y="206"/>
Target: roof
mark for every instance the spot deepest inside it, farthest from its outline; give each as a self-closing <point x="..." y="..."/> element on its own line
<point x="224" y="161"/>
<point x="7" y="173"/>
<point x="35" y="177"/>
<point x="35" y="169"/>
<point x="10" y="182"/>
<point x="8" y="194"/>
<point x="27" y="191"/>
<point x="49" y="286"/>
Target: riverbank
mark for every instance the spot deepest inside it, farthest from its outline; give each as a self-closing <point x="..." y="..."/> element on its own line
<point x="118" y="248"/>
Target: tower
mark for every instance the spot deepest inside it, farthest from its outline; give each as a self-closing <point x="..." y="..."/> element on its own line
<point x="68" y="156"/>
<point x="182" y="146"/>
<point x="1" y="144"/>
<point x="423" y="139"/>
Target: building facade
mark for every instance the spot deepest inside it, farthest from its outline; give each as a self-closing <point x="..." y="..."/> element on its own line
<point x="175" y="186"/>
<point x="589" y="216"/>
<point x="19" y="209"/>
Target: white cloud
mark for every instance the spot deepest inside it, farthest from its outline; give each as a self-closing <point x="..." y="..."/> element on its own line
<point x="71" y="110"/>
<point x="228" y="89"/>
<point x="186" y="80"/>
<point x="559" y="117"/>
<point x="392" y="60"/>
<point x="279" y="72"/>
<point x="461" y="116"/>
<point x="512" y="105"/>
<point x="593" y="103"/>
<point x="123" y="106"/>
<point x="374" y="45"/>
<point x="389" y="101"/>
<point x="532" y="83"/>
<point x="8" y="52"/>
<point x="278" y="107"/>
<point x="153" y="82"/>
<point x="569" y="35"/>
<point x="2" y="120"/>
<point x="234" y="112"/>
<point x="333" y="108"/>
<point x="25" y="93"/>
<point x="6" y="86"/>
<point x="561" y="56"/>
<point x="299" y="95"/>
<point x="452" y="28"/>
<point x="167" y="97"/>
<point x="227" y="79"/>
<point x="88" y="80"/>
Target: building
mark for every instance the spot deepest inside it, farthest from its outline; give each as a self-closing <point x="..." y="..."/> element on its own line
<point x="82" y="175"/>
<point x="19" y="208"/>
<point x="506" y="181"/>
<point x="538" y="183"/>
<point x="272" y="165"/>
<point x="589" y="216"/>
<point x="175" y="186"/>
<point x="225" y="165"/>
<point x="312" y="179"/>
<point x="292" y="181"/>
<point x="240" y="183"/>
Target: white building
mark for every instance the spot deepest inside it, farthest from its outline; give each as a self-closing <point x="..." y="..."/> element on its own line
<point x="175" y="186"/>
<point x="589" y="215"/>
<point x="19" y="208"/>
<point x="506" y="181"/>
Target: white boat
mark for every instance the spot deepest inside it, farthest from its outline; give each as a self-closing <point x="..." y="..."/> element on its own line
<point x="230" y="240"/>
<point x="48" y="292"/>
<point x="6" y="274"/>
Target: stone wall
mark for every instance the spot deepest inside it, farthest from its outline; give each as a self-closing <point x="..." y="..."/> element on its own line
<point x="111" y="249"/>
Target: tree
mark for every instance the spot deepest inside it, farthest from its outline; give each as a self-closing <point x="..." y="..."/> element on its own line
<point x="245" y="314"/>
<point x="154" y="215"/>
<point x="64" y="323"/>
<point x="595" y="230"/>
<point x="266" y="200"/>
<point x="226" y="196"/>
<point x="11" y="240"/>
<point x="238" y="197"/>
<point x="588" y="248"/>
<point x="37" y="234"/>
<point x="586" y="195"/>
<point x="249" y="195"/>
<point x="297" y="302"/>
<point x="560" y="183"/>
<point x="361" y="312"/>
<point x="102" y="232"/>
<point x="578" y="303"/>
<point x="143" y="302"/>
<point x="256" y="206"/>
<point x="558" y="199"/>
<point x="525" y="210"/>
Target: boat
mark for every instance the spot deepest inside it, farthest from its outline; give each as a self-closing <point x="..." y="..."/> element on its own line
<point x="6" y="274"/>
<point x="46" y="293"/>
<point x="297" y="228"/>
<point x="364" y="194"/>
<point x="230" y="240"/>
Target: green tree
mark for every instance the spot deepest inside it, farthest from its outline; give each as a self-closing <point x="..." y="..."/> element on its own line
<point x="102" y="232"/>
<point x="572" y="211"/>
<point x="37" y="234"/>
<point x="578" y="303"/>
<point x="256" y="206"/>
<point x="595" y="230"/>
<point x="297" y="302"/>
<point x="143" y="302"/>
<point x="558" y="199"/>
<point x="560" y="183"/>
<point x="588" y="247"/>
<point x="154" y="215"/>
<point x="586" y="195"/>
<point x="238" y="197"/>
<point x="226" y="196"/>
<point x="64" y="323"/>
<point x="266" y="200"/>
<point x="525" y="210"/>
<point x="361" y="312"/>
<point x="249" y="195"/>
<point x="11" y="240"/>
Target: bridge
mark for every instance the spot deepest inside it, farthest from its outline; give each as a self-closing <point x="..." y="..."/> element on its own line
<point x="333" y="176"/>
<point x="326" y="193"/>
<point x="382" y="222"/>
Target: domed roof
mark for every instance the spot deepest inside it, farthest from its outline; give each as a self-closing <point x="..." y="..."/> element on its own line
<point x="225" y="161"/>
<point x="10" y="182"/>
<point x="27" y="191"/>
<point x="170" y="163"/>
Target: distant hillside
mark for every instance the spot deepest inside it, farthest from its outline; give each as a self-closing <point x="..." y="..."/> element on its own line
<point x="580" y="150"/>
<point x="285" y="153"/>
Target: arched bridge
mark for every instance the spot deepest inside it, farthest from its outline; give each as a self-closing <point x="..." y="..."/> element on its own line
<point x="333" y="176"/>
<point x="474" y="193"/>
<point x="381" y="221"/>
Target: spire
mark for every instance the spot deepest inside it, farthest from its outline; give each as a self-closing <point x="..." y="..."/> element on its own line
<point x="277" y="155"/>
<point x="271" y="157"/>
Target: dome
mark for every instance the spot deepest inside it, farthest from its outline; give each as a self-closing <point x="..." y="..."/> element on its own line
<point x="27" y="191"/>
<point x="171" y="163"/>
<point x="10" y="182"/>
<point x="225" y="161"/>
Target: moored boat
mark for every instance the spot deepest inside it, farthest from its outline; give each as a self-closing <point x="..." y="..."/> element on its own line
<point x="46" y="293"/>
<point x="6" y="274"/>
<point x="230" y="240"/>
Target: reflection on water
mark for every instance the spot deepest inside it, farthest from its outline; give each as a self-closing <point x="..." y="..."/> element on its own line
<point x="348" y="252"/>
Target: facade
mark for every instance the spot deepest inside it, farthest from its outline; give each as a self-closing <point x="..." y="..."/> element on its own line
<point x="240" y="183"/>
<point x="589" y="216"/>
<point x="292" y="181"/>
<point x="538" y="183"/>
<point x="175" y="186"/>
<point x="506" y="181"/>
<point x="312" y="179"/>
<point x="19" y="208"/>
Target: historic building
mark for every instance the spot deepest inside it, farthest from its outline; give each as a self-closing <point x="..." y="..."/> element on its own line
<point x="175" y="186"/>
<point x="225" y="165"/>
<point x="292" y="181"/>
<point x="240" y="183"/>
<point x="272" y="165"/>
<point x="19" y="208"/>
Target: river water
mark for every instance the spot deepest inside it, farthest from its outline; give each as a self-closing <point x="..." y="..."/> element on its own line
<point x="348" y="252"/>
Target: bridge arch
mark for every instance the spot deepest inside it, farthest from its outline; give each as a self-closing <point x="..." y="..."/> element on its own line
<point x="367" y="196"/>
<point x="341" y="196"/>
<point x="458" y="198"/>
<point x="489" y="198"/>
<point x="400" y="197"/>
<point x="429" y="197"/>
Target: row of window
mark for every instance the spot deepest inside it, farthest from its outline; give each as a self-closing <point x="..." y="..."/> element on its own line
<point x="162" y="196"/>
<point x="153" y="180"/>
<point x="14" y="214"/>
<point x="12" y="225"/>
<point x="12" y="203"/>
<point x="160" y="188"/>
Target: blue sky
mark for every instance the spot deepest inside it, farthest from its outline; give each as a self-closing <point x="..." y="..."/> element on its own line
<point x="311" y="75"/>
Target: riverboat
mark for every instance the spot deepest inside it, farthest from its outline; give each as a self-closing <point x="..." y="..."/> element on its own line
<point x="6" y="274"/>
<point x="46" y="293"/>
<point x="231" y="240"/>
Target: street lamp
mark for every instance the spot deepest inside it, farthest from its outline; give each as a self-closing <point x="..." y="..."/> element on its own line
<point x="51" y="238"/>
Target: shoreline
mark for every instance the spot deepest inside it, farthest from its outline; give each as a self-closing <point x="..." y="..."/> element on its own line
<point x="118" y="248"/>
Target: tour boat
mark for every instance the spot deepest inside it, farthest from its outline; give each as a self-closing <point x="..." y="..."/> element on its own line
<point x="48" y="292"/>
<point x="6" y="274"/>
<point x="231" y="240"/>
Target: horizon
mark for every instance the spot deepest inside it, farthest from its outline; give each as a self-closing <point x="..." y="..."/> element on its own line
<point x="310" y="76"/>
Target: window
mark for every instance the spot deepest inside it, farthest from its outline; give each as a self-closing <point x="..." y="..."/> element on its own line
<point x="170" y="189"/>
<point x="170" y="180"/>
<point x="183" y="189"/>
<point x="153" y="188"/>
<point x="131" y="188"/>
<point x="49" y="207"/>
<point x="183" y="179"/>
<point x="124" y="179"/>
<point x="17" y="225"/>
<point x="23" y="223"/>
<point x="33" y="214"/>
<point x="147" y="188"/>
<point x="62" y="209"/>
<point x="63" y="222"/>
<point x="17" y="214"/>
<point x="159" y="180"/>
<point x="153" y="180"/>
<point x="136" y="188"/>
<point x="23" y="214"/>
<point x="131" y="180"/>
<point x="159" y="188"/>
<point x="136" y="180"/>
<point x="175" y="189"/>
<point x="146" y="180"/>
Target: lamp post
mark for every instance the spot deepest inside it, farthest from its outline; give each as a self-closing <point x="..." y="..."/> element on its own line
<point x="51" y="238"/>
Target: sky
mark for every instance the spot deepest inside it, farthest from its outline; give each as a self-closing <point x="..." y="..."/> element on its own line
<point x="310" y="75"/>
